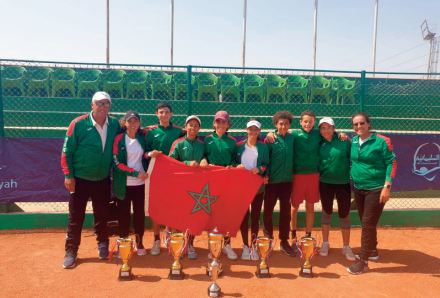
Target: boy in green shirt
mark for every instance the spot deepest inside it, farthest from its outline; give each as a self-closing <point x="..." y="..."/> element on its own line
<point x="189" y="150"/>
<point x="305" y="171"/>
<point x="280" y="180"/>
<point x="159" y="140"/>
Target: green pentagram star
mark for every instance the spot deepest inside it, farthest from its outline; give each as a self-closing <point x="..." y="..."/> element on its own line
<point x="198" y="198"/>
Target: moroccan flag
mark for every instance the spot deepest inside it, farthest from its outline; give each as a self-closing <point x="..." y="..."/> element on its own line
<point x="184" y="197"/>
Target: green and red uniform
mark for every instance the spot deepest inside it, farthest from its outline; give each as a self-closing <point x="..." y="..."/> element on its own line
<point x="186" y="150"/>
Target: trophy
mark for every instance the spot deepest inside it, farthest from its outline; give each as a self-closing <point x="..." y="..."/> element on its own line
<point x="176" y="245"/>
<point x="125" y="248"/>
<point x="215" y="247"/>
<point x="264" y="246"/>
<point x="307" y="247"/>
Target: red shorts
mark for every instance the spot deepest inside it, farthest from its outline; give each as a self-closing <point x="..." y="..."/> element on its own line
<point x="305" y="187"/>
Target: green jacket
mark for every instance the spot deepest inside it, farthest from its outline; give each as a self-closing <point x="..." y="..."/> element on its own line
<point x="220" y="151"/>
<point x="306" y="151"/>
<point x="262" y="159"/>
<point x="161" y="138"/>
<point x="334" y="161"/>
<point x="281" y="158"/>
<point x="120" y="168"/>
<point x="185" y="150"/>
<point x="82" y="155"/>
<point x="373" y="163"/>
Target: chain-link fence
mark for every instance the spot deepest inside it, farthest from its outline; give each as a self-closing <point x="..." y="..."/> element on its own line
<point x="39" y="99"/>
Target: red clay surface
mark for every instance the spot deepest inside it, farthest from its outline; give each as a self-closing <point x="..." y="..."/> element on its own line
<point x="409" y="266"/>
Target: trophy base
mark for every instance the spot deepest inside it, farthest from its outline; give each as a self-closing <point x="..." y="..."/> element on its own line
<point x="214" y="290"/>
<point x="262" y="272"/>
<point x="306" y="272"/>
<point x="125" y="275"/>
<point x="176" y="274"/>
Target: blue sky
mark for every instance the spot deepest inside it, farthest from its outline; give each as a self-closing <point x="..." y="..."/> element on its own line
<point x="209" y="32"/>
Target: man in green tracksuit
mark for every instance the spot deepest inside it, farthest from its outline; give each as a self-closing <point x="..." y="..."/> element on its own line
<point x="189" y="150"/>
<point x="159" y="140"/>
<point x="86" y="160"/>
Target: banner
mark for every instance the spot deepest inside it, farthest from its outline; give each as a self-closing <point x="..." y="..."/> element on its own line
<point x="30" y="170"/>
<point x="184" y="197"/>
<point x="418" y="162"/>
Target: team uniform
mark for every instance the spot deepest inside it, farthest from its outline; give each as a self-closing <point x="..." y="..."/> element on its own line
<point x="186" y="150"/>
<point x="256" y="157"/>
<point x="161" y="138"/>
<point x="128" y="164"/>
<point x="87" y="157"/>
<point x="334" y="180"/>
<point x="305" y="168"/>
<point x="280" y="184"/>
<point x="220" y="151"/>
<point x="372" y="164"/>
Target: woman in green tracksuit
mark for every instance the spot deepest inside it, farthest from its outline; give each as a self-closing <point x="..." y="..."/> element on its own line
<point x="373" y="168"/>
<point x="189" y="150"/>
<point x="253" y="156"/>
<point x="129" y="174"/>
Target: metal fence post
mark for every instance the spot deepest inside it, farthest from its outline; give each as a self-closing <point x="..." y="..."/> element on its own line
<point x="2" y="123"/>
<point x="363" y="91"/>
<point x="189" y="89"/>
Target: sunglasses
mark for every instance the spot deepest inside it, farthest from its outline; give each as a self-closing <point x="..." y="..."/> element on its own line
<point x="102" y="104"/>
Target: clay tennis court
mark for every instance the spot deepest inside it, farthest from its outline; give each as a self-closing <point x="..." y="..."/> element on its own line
<point x="409" y="266"/>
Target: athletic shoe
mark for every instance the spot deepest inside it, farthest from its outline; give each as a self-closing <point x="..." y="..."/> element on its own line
<point x="246" y="254"/>
<point x="254" y="254"/>
<point x="229" y="252"/>
<point x="348" y="253"/>
<point x="323" y="251"/>
<point x="374" y="256"/>
<point x="192" y="254"/>
<point x="358" y="268"/>
<point x="289" y="250"/>
<point x="69" y="259"/>
<point x="141" y="252"/>
<point x="103" y="250"/>
<point x="155" y="250"/>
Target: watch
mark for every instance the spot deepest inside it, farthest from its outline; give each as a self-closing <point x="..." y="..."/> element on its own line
<point x="387" y="186"/>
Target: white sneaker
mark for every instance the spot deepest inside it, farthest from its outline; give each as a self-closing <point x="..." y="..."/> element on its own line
<point x="323" y="251"/>
<point x="192" y="254"/>
<point x="348" y="253"/>
<point x="229" y="252"/>
<point x="141" y="252"/>
<point x="246" y="254"/>
<point x="155" y="250"/>
<point x="254" y="254"/>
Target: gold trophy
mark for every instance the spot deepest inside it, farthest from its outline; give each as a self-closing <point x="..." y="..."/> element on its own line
<point x="215" y="247"/>
<point x="125" y="248"/>
<point x="307" y="247"/>
<point x="176" y="246"/>
<point x="264" y="246"/>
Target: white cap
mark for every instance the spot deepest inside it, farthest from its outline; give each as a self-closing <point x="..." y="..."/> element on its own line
<point x="101" y="95"/>
<point x="327" y="120"/>
<point x="189" y="118"/>
<point x="253" y="123"/>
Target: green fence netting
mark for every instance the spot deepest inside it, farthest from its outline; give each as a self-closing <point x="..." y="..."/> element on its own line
<point x="39" y="99"/>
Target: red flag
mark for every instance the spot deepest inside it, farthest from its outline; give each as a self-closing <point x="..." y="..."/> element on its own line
<point x="184" y="197"/>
